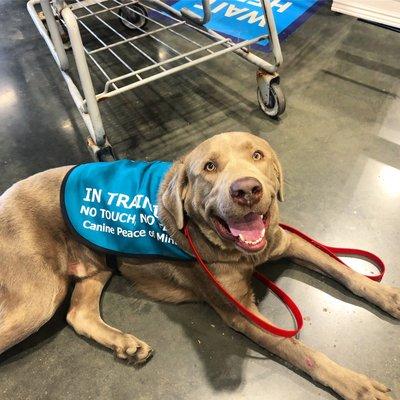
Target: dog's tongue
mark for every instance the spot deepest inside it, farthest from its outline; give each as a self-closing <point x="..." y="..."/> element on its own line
<point x="250" y="227"/>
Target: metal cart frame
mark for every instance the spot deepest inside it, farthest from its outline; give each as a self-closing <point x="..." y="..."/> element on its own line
<point x="59" y="16"/>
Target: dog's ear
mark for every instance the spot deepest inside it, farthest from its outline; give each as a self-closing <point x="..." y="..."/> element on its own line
<point x="175" y="193"/>
<point x="279" y="173"/>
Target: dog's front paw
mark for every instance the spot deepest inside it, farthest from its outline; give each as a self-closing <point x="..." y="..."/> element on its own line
<point x="353" y="386"/>
<point x="392" y="301"/>
<point x="384" y="296"/>
<point x="130" y="348"/>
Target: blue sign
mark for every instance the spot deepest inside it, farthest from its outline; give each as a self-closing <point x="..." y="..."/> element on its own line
<point x="244" y="19"/>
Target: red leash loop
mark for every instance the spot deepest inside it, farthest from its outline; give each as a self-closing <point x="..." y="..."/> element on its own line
<point x="262" y="323"/>
<point x="334" y="252"/>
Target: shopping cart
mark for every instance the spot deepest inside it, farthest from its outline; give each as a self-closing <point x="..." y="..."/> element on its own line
<point x="116" y="47"/>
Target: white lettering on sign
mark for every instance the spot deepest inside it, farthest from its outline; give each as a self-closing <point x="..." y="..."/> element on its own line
<point x="254" y="3"/>
<point x="253" y="17"/>
<point x="127" y="202"/>
<point x="232" y="11"/>
<point x="131" y="234"/>
<point x="281" y="7"/>
<point x="245" y="14"/>
<point x="93" y="195"/>
<point x="117" y="216"/>
<point x="274" y="3"/>
<point x="111" y="197"/>
<point x="219" y="7"/>
<point x="162" y="237"/>
<point x="136" y="201"/>
<point x="123" y="202"/>
<point x="98" y="227"/>
<point x="92" y="211"/>
<point x="155" y="210"/>
<point x="147" y="219"/>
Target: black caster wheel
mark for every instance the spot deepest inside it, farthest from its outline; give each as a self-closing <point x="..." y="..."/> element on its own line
<point x="105" y="154"/>
<point x="134" y="17"/>
<point x="273" y="103"/>
<point x="102" y="154"/>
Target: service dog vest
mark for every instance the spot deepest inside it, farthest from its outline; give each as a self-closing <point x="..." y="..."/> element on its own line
<point x="112" y="207"/>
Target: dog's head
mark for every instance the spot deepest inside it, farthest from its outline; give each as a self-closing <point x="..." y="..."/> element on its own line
<point x="228" y="186"/>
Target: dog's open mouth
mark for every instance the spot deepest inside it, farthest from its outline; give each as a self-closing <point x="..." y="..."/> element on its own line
<point x="247" y="233"/>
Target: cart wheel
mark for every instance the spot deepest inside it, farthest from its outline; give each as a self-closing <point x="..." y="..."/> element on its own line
<point x="105" y="154"/>
<point x="134" y="17"/>
<point x="276" y="103"/>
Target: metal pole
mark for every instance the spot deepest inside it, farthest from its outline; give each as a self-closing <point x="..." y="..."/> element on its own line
<point x="270" y="20"/>
<point x="55" y="34"/>
<point x="84" y="75"/>
<point x="196" y="18"/>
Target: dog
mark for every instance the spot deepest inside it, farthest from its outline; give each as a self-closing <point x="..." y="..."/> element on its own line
<point x="227" y="191"/>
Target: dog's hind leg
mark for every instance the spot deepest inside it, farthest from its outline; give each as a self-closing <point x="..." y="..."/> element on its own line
<point x="84" y="317"/>
<point x="384" y="296"/>
<point x="26" y="305"/>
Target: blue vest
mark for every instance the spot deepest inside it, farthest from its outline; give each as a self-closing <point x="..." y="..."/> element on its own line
<point x="112" y="207"/>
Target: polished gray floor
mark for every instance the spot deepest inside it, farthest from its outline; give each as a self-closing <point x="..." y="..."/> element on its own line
<point x="339" y="143"/>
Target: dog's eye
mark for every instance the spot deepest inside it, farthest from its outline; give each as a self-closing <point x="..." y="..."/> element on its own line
<point x="258" y="155"/>
<point x="210" y="166"/>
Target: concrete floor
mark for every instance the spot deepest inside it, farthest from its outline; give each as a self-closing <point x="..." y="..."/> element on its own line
<point x="339" y="143"/>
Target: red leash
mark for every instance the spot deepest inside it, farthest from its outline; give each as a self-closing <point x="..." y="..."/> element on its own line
<point x="334" y="252"/>
<point x="262" y="323"/>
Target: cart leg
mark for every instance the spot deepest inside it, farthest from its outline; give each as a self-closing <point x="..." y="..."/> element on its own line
<point x="270" y="20"/>
<point x="97" y="132"/>
<point x="104" y="153"/>
<point x="195" y="18"/>
<point x="55" y="34"/>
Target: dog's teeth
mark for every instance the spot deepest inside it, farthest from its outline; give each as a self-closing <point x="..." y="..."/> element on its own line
<point x="262" y="233"/>
<point x="251" y="242"/>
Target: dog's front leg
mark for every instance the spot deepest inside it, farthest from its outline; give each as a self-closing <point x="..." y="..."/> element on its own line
<point x="84" y="317"/>
<point x="384" y="296"/>
<point x="348" y="384"/>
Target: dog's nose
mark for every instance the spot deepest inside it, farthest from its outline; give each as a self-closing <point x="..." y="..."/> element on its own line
<point x="246" y="191"/>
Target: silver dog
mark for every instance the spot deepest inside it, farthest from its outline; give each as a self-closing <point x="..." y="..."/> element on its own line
<point x="217" y="185"/>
